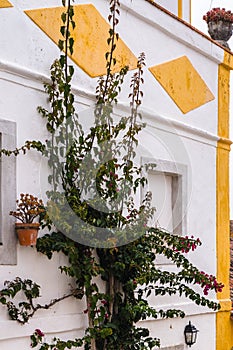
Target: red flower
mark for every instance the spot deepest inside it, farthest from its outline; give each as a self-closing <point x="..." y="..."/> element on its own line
<point x="218" y="14"/>
<point x="39" y="332"/>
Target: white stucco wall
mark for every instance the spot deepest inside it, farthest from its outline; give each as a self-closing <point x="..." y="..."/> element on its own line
<point x="25" y="58"/>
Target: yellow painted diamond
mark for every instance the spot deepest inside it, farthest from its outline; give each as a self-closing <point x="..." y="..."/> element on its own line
<point x="5" y="3"/>
<point x="182" y="83"/>
<point x="90" y="38"/>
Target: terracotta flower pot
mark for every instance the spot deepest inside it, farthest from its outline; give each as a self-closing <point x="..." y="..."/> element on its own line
<point x="221" y="31"/>
<point x="27" y="233"/>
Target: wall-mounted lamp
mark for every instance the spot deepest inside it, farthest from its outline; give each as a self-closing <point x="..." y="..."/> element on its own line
<point x="190" y="334"/>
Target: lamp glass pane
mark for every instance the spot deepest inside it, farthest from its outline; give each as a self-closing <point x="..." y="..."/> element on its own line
<point x="189" y="338"/>
<point x="194" y="337"/>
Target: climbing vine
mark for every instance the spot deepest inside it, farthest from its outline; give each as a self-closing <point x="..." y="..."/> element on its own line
<point x="116" y="243"/>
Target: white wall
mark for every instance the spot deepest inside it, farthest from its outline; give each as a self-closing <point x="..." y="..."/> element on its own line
<point x="25" y="58"/>
<point x="198" y="10"/>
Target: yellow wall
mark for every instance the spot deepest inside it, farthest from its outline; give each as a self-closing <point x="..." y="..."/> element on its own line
<point x="224" y="325"/>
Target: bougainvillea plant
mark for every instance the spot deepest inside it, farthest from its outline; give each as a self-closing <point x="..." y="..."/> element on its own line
<point x="218" y="14"/>
<point x="129" y="272"/>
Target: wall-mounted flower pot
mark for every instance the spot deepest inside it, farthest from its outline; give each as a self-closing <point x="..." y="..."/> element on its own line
<point x="221" y="31"/>
<point x="27" y="233"/>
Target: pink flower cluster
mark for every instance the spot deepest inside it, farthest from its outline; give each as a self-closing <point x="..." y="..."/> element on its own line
<point x="209" y="282"/>
<point x="217" y="14"/>
<point x="36" y="338"/>
<point x="39" y="332"/>
<point x="186" y="244"/>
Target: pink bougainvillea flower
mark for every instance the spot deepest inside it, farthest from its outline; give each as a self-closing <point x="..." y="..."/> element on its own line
<point x="39" y="332"/>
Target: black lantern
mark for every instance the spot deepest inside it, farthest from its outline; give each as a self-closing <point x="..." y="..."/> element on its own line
<point x="190" y="333"/>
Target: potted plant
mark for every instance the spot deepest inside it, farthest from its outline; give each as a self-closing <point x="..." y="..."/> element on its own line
<point x="219" y="23"/>
<point x="28" y="209"/>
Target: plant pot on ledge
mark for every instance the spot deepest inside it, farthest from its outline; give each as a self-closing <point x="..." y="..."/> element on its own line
<point x="27" y="233"/>
<point x="219" y="23"/>
<point x="221" y="32"/>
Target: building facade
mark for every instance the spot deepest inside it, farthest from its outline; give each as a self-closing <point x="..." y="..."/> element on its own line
<point x="186" y="110"/>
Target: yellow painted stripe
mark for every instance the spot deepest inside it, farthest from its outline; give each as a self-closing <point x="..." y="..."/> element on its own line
<point x="180" y="8"/>
<point x="223" y="101"/>
<point x="224" y="325"/>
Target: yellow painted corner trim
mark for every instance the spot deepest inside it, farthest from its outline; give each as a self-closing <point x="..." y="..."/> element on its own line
<point x="225" y="143"/>
<point x="228" y="60"/>
<point x="224" y="336"/>
<point x="225" y="304"/>
<point x="223" y="220"/>
<point x="223" y="322"/>
<point x="223" y="100"/>
<point x="224" y="325"/>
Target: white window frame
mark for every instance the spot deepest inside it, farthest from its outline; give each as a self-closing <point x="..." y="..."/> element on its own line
<point x="178" y="172"/>
<point x="8" y="241"/>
